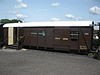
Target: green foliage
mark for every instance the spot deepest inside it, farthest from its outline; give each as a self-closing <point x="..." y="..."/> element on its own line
<point x="96" y="42"/>
<point x="96" y="32"/>
<point x="10" y="21"/>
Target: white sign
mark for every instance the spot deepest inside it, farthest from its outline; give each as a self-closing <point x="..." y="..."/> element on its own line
<point x="96" y="27"/>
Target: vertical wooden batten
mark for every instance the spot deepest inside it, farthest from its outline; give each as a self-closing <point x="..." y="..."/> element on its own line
<point x="10" y="36"/>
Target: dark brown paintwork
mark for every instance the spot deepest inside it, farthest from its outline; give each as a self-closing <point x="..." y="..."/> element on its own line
<point x="85" y="39"/>
<point x="49" y="37"/>
<point x="57" y="38"/>
<point x="6" y="36"/>
<point x="30" y="38"/>
<point x="41" y="39"/>
<point x="59" y="35"/>
<point x="74" y="45"/>
<point x="15" y="35"/>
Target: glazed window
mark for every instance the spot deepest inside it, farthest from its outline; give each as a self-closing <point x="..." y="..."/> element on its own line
<point x="41" y="34"/>
<point x="74" y="35"/>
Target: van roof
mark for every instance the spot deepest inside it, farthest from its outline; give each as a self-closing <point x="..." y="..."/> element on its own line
<point x="49" y="24"/>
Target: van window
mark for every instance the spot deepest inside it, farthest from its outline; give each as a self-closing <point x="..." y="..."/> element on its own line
<point x="74" y="35"/>
<point x="41" y="34"/>
<point x="33" y="33"/>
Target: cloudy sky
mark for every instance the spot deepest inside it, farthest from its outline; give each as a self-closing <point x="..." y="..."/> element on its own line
<point x="50" y="10"/>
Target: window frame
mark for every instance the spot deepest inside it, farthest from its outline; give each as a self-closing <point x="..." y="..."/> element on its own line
<point x="74" y="35"/>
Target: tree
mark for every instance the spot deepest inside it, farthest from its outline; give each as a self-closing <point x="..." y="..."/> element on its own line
<point x="10" y="21"/>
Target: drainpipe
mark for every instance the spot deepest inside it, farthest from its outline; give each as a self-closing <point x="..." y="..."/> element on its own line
<point x="92" y="29"/>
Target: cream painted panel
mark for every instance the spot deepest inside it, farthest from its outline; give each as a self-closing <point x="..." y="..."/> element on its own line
<point x="10" y="36"/>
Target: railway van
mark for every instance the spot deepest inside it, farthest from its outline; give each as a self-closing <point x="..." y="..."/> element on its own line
<point x="53" y="35"/>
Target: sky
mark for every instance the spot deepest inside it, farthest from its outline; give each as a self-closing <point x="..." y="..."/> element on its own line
<point x="50" y="10"/>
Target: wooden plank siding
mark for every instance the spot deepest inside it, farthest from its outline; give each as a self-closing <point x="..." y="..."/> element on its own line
<point x="56" y="38"/>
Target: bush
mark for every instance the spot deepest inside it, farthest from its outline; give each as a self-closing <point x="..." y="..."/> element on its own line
<point x="96" y="43"/>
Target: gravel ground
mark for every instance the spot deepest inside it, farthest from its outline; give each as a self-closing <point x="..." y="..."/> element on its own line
<point x="35" y="62"/>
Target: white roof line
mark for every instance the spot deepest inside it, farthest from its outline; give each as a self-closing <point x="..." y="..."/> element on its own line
<point x="48" y="24"/>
